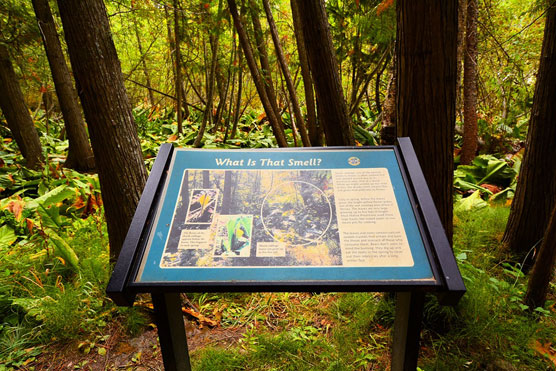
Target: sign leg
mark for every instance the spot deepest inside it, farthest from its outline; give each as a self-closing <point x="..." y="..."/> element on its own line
<point x="407" y="329"/>
<point x="171" y="331"/>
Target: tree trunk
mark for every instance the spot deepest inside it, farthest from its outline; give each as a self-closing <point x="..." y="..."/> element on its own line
<point x="324" y="68"/>
<point x="461" y="34"/>
<point x="263" y="58"/>
<point x="244" y="40"/>
<point x="177" y="62"/>
<point x="426" y="50"/>
<point x="315" y="135"/>
<point x="543" y="269"/>
<point x="469" y="148"/>
<point x="213" y="38"/>
<point x="17" y="114"/>
<point x="143" y="61"/>
<point x="378" y="80"/>
<point x="237" y="106"/>
<point x="80" y="155"/>
<point x="171" y="44"/>
<point x="287" y="76"/>
<point x="388" y="132"/>
<point x="535" y="195"/>
<point x="232" y="74"/>
<point x="113" y="132"/>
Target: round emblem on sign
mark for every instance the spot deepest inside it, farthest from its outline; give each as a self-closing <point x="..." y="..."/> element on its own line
<point x="354" y="161"/>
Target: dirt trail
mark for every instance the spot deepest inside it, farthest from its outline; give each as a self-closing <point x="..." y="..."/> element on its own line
<point x="120" y="352"/>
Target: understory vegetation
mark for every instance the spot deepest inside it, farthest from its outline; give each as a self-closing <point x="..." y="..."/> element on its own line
<point x="55" y="266"/>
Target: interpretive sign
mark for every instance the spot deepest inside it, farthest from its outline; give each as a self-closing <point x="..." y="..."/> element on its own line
<point x="326" y="219"/>
<point x="304" y="215"/>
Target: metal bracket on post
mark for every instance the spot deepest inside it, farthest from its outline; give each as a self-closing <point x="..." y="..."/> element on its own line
<point x="171" y="331"/>
<point x="407" y="329"/>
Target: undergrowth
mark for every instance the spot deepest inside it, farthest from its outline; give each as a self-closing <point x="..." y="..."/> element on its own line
<point x="54" y="269"/>
<point x="489" y="329"/>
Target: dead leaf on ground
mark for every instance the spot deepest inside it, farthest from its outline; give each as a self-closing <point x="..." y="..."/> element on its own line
<point x="199" y="317"/>
<point x="491" y="187"/>
<point x="546" y="350"/>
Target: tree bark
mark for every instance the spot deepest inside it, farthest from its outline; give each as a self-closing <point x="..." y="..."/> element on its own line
<point x="426" y="50"/>
<point x="213" y="38"/>
<point x="470" y="140"/>
<point x="461" y="34"/>
<point x="263" y="58"/>
<point x="237" y="106"/>
<point x="543" y="270"/>
<point x="177" y="62"/>
<point x="287" y="75"/>
<point x="17" y="114"/>
<point x="113" y="132"/>
<point x="143" y="61"/>
<point x="388" y="132"/>
<point x="244" y="40"/>
<point x="535" y="195"/>
<point x="315" y="135"/>
<point x="80" y="155"/>
<point x="324" y="68"/>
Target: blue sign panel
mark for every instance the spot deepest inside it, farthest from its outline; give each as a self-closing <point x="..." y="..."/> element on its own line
<point x="276" y="216"/>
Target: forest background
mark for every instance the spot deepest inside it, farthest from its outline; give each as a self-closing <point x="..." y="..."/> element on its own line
<point x="216" y="74"/>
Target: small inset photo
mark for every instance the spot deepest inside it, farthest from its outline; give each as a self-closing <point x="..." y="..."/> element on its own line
<point x="202" y="206"/>
<point x="233" y="236"/>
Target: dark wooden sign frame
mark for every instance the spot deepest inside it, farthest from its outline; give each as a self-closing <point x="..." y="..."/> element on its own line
<point x="447" y="283"/>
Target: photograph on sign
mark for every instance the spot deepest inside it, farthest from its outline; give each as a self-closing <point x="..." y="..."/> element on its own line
<point x="335" y="217"/>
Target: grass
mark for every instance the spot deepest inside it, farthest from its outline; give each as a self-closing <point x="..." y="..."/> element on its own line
<point x="43" y="299"/>
<point x="489" y="329"/>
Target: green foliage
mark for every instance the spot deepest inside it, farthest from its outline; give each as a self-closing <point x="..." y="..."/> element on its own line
<point x="486" y="177"/>
<point x="491" y="315"/>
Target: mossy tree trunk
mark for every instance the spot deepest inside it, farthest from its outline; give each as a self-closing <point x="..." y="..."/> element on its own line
<point x="80" y="155"/>
<point x="332" y="107"/>
<point x="113" y="132"/>
<point x="17" y="114"/>
<point x="535" y="195"/>
<point x="426" y="52"/>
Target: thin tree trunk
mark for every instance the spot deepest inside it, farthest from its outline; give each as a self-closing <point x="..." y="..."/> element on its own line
<point x="377" y="84"/>
<point x="324" y="67"/>
<point x="222" y="85"/>
<point x="535" y="195"/>
<point x="177" y="62"/>
<point x="233" y="73"/>
<point x="213" y="40"/>
<point x="237" y="106"/>
<point x="426" y="91"/>
<point x="357" y="100"/>
<point x="244" y="40"/>
<point x="315" y="133"/>
<point x="470" y="139"/>
<point x="388" y="132"/>
<point x="289" y="109"/>
<point x="543" y="270"/>
<point x="17" y="114"/>
<point x="143" y="61"/>
<point x="462" y="9"/>
<point x="80" y="155"/>
<point x="172" y="48"/>
<point x="287" y="75"/>
<point x="263" y="58"/>
<point x="113" y="132"/>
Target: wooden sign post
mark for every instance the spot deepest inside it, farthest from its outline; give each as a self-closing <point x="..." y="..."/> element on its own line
<point x="314" y="219"/>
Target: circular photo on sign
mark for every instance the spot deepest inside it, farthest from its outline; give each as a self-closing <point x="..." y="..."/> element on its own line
<point x="296" y="213"/>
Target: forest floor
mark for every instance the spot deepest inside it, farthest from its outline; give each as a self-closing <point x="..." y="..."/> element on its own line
<point x="119" y="351"/>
